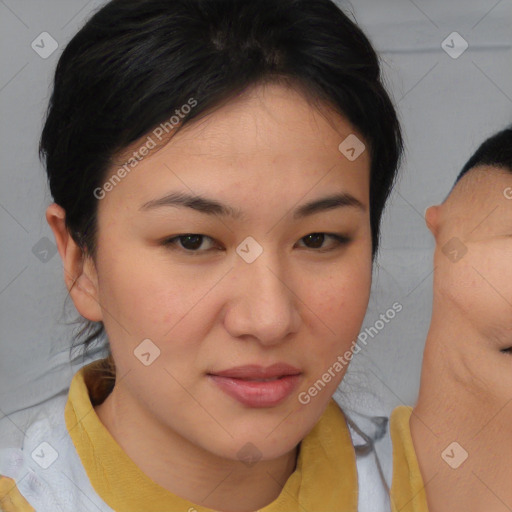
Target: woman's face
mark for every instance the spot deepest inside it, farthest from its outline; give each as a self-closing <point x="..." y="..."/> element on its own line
<point x="250" y="287"/>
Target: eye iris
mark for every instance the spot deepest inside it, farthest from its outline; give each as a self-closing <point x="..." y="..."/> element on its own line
<point x="316" y="238"/>
<point x="191" y="241"/>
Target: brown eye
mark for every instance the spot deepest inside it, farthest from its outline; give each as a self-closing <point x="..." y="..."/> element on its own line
<point x="316" y="241"/>
<point x="190" y="242"/>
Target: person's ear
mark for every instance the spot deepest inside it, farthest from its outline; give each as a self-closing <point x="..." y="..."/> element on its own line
<point x="79" y="270"/>
<point x="432" y="219"/>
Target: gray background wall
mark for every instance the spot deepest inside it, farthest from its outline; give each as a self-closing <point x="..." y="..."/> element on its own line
<point x="447" y="105"/>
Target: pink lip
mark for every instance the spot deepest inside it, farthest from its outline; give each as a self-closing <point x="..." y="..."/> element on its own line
<point x="254" y="371"/>
<point x="242" y="383"/>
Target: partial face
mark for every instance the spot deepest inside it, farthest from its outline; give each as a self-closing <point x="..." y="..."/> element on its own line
<point x="473" y="275"/>
<point x="264" y="280"/>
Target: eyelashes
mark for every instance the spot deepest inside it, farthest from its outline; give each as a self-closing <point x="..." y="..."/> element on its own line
<point x="339" y="240"/>
<point x="190" y="243"/>
<point x="190" y="239"/>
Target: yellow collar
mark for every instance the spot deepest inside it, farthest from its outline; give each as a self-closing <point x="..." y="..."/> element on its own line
<point x="325" y="478"/>
<point x="407" y="488"/>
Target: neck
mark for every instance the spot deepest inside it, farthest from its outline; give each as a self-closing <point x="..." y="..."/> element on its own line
<point x="456" y="406"/>
<point x="189" y="471"/>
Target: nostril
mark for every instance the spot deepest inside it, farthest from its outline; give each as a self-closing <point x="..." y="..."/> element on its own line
<point x="507" y="350"/>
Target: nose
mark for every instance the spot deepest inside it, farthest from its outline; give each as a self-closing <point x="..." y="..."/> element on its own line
<point x="263" y="302"/>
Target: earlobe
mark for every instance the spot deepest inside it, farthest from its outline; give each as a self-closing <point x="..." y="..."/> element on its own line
<point x="432" y="219"/>
<point x="85" y="291"/>
<point x="80" y="274"/>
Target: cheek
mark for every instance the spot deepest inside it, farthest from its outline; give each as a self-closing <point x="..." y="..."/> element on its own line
<point x="345" y="300"/>
<point x="492" y="296"/>
<point x="480" y="285"/>
<point x="141" y="297"/>
<point x="340" y="301"/>
<point x="152" y="301"/>
<point x="341" y="305"/>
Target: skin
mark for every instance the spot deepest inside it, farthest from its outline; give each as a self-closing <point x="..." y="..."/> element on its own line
<point x="466" y="383"/>
<point x="266" y="153"/>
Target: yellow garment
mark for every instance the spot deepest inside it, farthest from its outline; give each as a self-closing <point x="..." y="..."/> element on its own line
<point x="11" y="499"/>
<point x="407" y="488"/>
<point x="325" y="479"/>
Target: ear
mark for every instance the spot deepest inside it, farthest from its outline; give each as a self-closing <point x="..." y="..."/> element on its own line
<point x="79" y="270"/>
<point x="432" y="219"/>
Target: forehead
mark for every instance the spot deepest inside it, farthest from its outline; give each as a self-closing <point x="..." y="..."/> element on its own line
<point x="269" y="137"/>
<point x="252" y="121"/>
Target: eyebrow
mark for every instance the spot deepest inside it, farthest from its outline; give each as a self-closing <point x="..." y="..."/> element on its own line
<point x="214" y="207"/>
